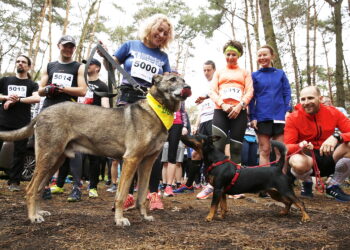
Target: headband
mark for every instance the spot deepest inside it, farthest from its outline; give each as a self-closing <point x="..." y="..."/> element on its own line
<point x="231" y="48"/>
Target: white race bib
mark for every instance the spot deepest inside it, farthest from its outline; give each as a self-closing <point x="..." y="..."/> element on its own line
<point x="20" y="91"/>
<point x="62" y="79"/>
<point x="89" y="94"/>
<point x="231" y="93"/>
<point x="143" y="69"/>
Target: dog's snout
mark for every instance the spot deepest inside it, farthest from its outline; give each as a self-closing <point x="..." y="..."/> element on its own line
<point x="186" y="91"/>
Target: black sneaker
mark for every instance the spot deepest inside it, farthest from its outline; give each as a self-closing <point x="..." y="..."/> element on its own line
<point x="47" y="194"/>
<point x="75" y="195"/>
<point x="336" y="192"/>
<point x="306" y="189"/>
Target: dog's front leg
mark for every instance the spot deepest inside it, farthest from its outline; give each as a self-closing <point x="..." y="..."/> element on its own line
<point x="217" y="195"/>
<point x="128" y="172"/>
<point x="223" y="206"/>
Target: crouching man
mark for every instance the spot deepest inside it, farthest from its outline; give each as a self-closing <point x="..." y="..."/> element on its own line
<point x="312" y="127"/>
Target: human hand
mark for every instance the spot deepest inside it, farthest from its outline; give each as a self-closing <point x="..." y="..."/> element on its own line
<point x="13" y="98"/>
<point x="103" y="46"/>
<point x="226" y="107"/>
<point x="200" y="99"/>
<point x="194" y="130"/>
<point x="254" y="124"/>
<point x="306" y="145"/>
<point x="234" y="111"/>
<point x="8" y="104"/>
<point x="52" y="90"/>
<point x="184" y="131"/>
<point x="328" y="146"/>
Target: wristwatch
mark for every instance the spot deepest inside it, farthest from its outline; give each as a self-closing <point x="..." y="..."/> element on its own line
<point x="242" y="104"/>
<point x="338" y="136"/>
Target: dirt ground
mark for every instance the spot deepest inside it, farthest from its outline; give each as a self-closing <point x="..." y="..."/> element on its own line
<point x="252" y="223"/>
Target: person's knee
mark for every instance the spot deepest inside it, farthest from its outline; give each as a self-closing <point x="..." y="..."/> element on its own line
<point x="264" y="150"/>
<point x="300" y="164"/>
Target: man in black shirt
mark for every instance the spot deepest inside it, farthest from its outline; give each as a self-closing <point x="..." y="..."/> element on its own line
<point x="61" y="81"/>
<point x="17" y="93"/>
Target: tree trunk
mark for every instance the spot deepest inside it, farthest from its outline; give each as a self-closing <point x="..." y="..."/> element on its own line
<point x="84" y="33"/>
<point x="50" y="30"/>
<point x="308" y="70"/>
<point x="347" y="77"/>
<point x="329" y="74"/>
<point x="339" y="71"/>
<point x="314" y="48"/>
<point x="248" y="36"/>
<point x="255" y="23"/>
<point x="66" y="20"/>
<point x="92" y="35"/>
<point x="270" y="36"/>
<point x="38" y="37"/>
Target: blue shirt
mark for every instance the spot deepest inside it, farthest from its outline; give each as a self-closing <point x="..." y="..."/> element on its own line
<point x="142" y="62"/>
<point x="272" y="95"/>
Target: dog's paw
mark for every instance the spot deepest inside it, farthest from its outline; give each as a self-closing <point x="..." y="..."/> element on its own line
<point x="148" y="218"/>
<point x="305" y="218"/>
<point x="44" y="213"/>
<point x="36" y="219"/>
<point x="122" y="222"/>
<point x="209" y="218"/>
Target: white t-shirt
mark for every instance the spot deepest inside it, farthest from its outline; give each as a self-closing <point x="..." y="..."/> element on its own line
<point x="207" y="106"/>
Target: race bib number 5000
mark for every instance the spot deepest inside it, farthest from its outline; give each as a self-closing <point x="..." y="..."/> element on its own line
<point x="62" y="79"/>
<point x="143" y="69"/>
<point x="20" y="91"/>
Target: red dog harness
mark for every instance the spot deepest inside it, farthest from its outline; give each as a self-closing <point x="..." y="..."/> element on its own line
<point x="235" y="177"/>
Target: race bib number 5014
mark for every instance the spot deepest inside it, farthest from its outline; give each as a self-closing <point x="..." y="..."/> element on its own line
<point x="62" y="79"/>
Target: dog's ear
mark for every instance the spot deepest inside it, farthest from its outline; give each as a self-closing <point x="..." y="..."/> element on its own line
<point x="156" y="79"/>
<point x="214" y="138"/>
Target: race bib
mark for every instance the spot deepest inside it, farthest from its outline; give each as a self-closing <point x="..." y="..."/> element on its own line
<point x="231" y="93"/>
<point x="62" y="79"/>
<point x="207" y="106"/>
<point x="20" y="91"/>
<point x="89" y="94"/>
<point x="143" y="69"/>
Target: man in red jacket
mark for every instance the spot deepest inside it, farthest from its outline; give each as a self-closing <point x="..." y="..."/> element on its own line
<point x="324" y="130"/>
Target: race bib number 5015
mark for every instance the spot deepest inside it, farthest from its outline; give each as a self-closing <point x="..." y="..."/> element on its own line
<point x="20" y="91"/>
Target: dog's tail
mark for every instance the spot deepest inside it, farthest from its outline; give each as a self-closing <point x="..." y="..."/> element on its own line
<point x="18" y="134"/>
<point x="282" y="150"/>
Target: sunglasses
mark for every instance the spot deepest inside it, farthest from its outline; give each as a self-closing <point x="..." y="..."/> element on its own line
<point x="19" y="61"/>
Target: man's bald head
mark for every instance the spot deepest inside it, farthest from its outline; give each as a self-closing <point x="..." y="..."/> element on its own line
<point x="310" y="99"/>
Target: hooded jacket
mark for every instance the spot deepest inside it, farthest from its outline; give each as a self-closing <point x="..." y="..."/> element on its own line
<point x="314" y="128"/>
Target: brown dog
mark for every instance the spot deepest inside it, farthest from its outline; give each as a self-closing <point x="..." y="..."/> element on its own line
<point x="134" y="133"/>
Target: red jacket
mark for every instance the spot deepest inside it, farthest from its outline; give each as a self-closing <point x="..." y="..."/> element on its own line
<point x="315" y="128"/>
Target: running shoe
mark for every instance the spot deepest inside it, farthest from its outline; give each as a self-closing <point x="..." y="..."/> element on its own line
<point x="168" y="192"/>
<point x="129" y="203"/>
<point x="184" y="189"/>
<point x="47" y="194"/>
<point x="113" y="188"/>
<point x="236" y="196"/>
<point x="206" y="192"/>
<point x="93" y="193"/>
<point x="336" y="192"/>
<point x="75" y="195"/>
<point x="14" y="187"/>
<point x="155" y="202"/>
<point x="306" y="189"/>
<point x="56" y="189"/>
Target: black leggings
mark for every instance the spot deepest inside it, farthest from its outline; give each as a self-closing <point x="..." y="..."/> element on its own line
<point x="174" y="139"/>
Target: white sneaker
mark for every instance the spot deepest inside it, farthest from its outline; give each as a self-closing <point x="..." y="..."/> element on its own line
<point x="113" y="188"/>
<point x="206" y="192"/>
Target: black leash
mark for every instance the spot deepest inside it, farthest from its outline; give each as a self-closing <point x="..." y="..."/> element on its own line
<point x="112" y="65"/>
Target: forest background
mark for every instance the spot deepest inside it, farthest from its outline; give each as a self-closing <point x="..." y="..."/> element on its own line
<point x="311" y="37"/>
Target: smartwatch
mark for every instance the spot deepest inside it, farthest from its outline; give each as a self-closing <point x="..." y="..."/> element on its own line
<point x="337" y="136"/>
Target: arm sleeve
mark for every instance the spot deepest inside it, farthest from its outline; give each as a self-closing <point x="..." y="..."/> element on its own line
<point x="248" y="88"/>
<point x="286" y="93"/>
<point x="214" y="90"/>
<point x="291" y="136"/>
<point x="343" y="125"/>
<point x="252" y="103"/>
<point x="122" y="53"/>
<point x="166" y="66"/>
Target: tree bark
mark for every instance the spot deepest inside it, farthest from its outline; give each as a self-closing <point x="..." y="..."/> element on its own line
<point x="329" y="73"/>
<point x="255" y="24"/>
<point x="92" y="35"/>
<point x="248" y="36"/>
<point x="50" y="30"/>
<point x="314" y="47"/>
<point x="66" y="20"/>
<point x="270" y="36"/>
<point x="339" y="71"/>
<point x="308" y="70"/>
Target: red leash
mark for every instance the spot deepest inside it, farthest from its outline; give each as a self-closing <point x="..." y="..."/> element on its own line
<point x="319" y="181"/>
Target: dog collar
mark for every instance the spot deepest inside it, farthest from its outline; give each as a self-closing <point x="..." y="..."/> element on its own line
<point x="162" y="112"/>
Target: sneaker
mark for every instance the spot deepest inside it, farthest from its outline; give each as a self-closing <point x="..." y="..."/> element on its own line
<point x="69" y="179"/>
<point x="113" y="188"/>
<point x="129" y="203"/>
<point x="306" y="189"/>
<point x="14" y="187"/>
<point x="56" y="189"/>
<point x="108" y="182"/>
<point x="336" y="192"/>
<point x="197" y="186"/>
<point x="75" y="195"/>
<point x="205" y="193"/>
<point x="236" y="196"/>
<point x="93" y="193"/>
<point x="184" y="189"/>
<point x="168" y="192"/>
<point x="155" y="202"/>
<point x="47" y="194"/>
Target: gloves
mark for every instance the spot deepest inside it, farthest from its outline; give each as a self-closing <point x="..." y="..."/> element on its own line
<point x="51" y="90"/>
